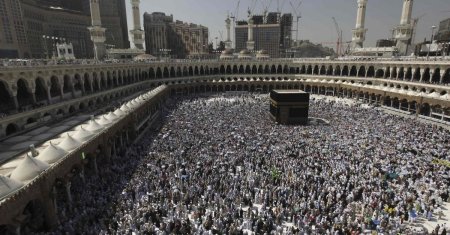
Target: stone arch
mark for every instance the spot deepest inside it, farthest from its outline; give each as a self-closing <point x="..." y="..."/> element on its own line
<point x="436" y="76"/>
<point x="370" y="72"/>
<point x="280" y="69"/>
<point x="196" y="72"/>
<point x="55" y="87"/>
<point x="260" y="69"/>
<point x="345" y="71"/>
<point x="159" y="73"/>
<point x="330" y="70"/>
<point x="241" y="69"/>
<point x="379" y="73"/>
<point x="426" y="75"/>
<point x="408" y="74"/>
<point x="191" y="71"/>
<point x="24" y="96"/>
<point x="446" y="78"/>
<point x="96" y="82"/>
<point x="316" y="70"/>
<point x="273" y="69"/>
<point x="77" y="85"/>
<point x="67" y="87"/>
<point x="6" y="101"/>
<point x="40" y="91"/>
<point x="11" y="129"/>
<point x="425" y="109"/>
<point x="323" y="70"/>
<point x="87" y="83"/>
<point x="267" y="69"/>
<point x="151" y="73"/>
<point x="248" y="69"/>
<point x="337" y="70"/>
<point x="353" y="72"/>
<point x="166" y="73"/>
<point x="179" y="72"/>
<point x="416" y="75"/>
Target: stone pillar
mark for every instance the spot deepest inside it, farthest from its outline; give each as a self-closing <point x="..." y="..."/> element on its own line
<point x="33" y="97"/>
<point x="49" y="97"/>
<point x="431" y="76"/>
<point x="392" y="103"/>
<point x="61" y="92"/>
<point x="398" y="73"/>
<point x="409" y="107"/>
<point x="55" y="197"/>
<point x="422" y="73"/>
<point x="95" y="165"/>
<point x="16" y="102"/>
<point x="391" y="72"/>
<point x="68" y="192"/>
<point x="413" y="72"/>
<point x="441" y="79"/>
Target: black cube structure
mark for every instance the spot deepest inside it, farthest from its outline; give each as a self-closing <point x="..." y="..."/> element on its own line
<point x="289" y="106"/>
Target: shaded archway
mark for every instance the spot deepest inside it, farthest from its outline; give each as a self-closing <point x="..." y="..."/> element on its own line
<point x="6" y="101"/>
<point x="55" y="88"/>
<point x="24" y="96"/>
<point x="11" y="129"/>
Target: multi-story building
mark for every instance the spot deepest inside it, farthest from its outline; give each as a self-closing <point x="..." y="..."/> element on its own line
<point x="31" y="28"/>
<point x="13" y="40"/>
<point x="444" y="31"/>
<point x="163" y="36"/>
<point x="272" y="34"/>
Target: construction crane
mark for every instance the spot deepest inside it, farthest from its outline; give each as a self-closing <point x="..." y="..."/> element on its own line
<point x="339" y="44"/>
<point x="297" y="15"/>
<point x="265" y="9"/>
<point x="280" y="8"/>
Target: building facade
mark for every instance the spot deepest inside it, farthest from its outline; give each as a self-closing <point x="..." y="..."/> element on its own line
<point x="31" y="28"/>
<point x="271" y="33"/>
<point x="166" y="37"/>
<point x="444" y="31"/>
<point x="13" y="40"/>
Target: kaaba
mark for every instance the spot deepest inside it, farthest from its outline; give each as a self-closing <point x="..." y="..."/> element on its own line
<point x="289" y="106"/>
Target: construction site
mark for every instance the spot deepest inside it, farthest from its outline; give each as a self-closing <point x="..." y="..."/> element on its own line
<point x="277" y="33"/>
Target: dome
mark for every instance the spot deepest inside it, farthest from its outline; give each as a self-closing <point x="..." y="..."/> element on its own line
<point x="51" y="154"/>
<point x="94" y="126"/>
<point x="244" y="52"/>
<point x="227" y="52"/>
<point x="144" y="57"/>
<point x="69" y="143"/>
<point x="8" y="185"/>
<point x="28" y="169"/>
<point x="262" y="54"/>
<point x="82" y="135"/>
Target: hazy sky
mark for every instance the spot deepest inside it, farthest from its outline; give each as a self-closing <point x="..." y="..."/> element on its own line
<point x="316" y="23"/>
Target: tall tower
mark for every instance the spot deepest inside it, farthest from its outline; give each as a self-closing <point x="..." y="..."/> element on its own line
<point x="97" y="31"/>
<point x="359" y="32"/>
<point x="137" y="33"/>
<point x="250" y="41"/>
<point x="228" y="43"/>
<point x="403" y="32"/>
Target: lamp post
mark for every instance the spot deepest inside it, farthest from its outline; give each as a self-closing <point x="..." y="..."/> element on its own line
<point x="431" y="41"/>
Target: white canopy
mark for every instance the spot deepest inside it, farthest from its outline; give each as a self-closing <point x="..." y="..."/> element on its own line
<point x="69" y="143"/>
<point x="82" y="135"/>
<point x="104" y="121"/>
<point x="121" y="111"/>
<point x="28" y="169"/>
<point x="51" y="154"/>
<point x="8" y="185"/>
<point x="111" y="116"/>
<point x="94" y="126"/>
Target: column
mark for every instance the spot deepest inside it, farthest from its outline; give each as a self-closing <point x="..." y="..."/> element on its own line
<point x="441" y="79"/>
<point x="398" y="73"/>
<point x="68" y="193"/>
<point x="422" y="73"/>
<point x="16" y="102"/>
<point x="413" y="72"/>
<point x="392" y="103"/>
<point x="391" y="72"/>
<point x="49" y="97"/>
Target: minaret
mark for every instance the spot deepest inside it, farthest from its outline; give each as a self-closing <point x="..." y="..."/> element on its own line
<point x="359" y="33"/>
<point x="250" y="42"/>
<point x="137" y="33"/>
<point x="228" y="43"/>
<point x="403" y="32"/>
<point x="96" y="30"/>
